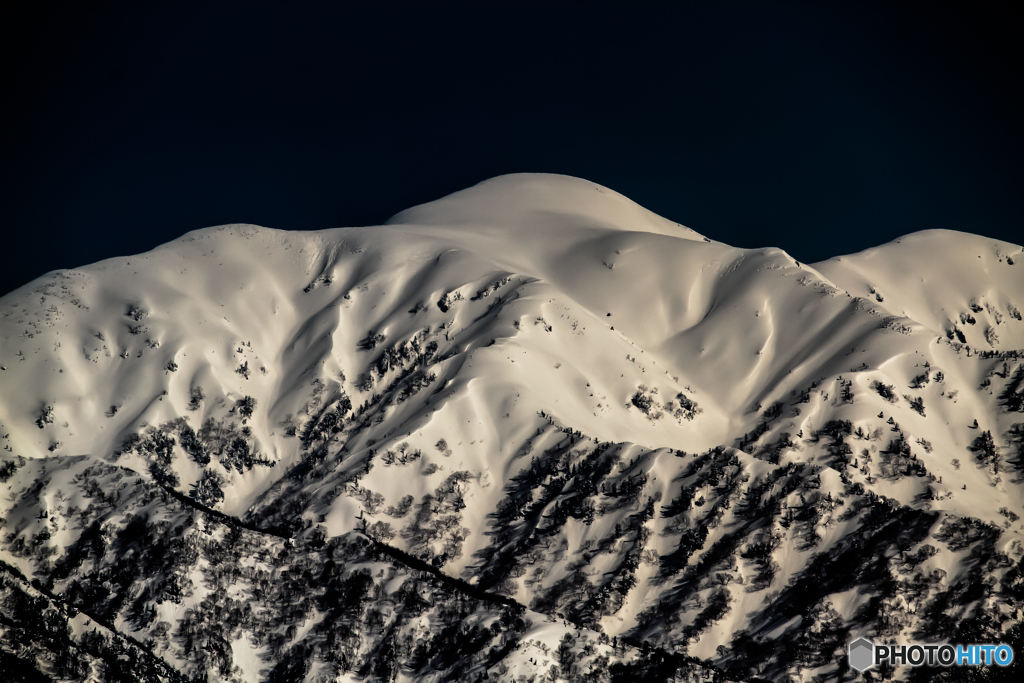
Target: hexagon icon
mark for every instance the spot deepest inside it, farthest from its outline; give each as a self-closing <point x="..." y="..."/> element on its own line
<point x="862" y="654"/>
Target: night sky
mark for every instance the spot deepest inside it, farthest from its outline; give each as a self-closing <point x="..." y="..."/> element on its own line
<point x="819" y="127"/>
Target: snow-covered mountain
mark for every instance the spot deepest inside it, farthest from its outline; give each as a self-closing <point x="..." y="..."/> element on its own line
<point x="528" y="430"/>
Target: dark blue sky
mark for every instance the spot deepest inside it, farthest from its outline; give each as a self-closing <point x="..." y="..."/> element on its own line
<point x="821" y="128"/>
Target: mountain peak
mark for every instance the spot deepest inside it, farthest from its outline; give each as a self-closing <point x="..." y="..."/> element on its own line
<point x="539" y="202"/>
<point x="528" y="425"/>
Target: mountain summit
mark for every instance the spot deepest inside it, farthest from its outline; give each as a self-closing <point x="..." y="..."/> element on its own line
<point x="530" y="429"/>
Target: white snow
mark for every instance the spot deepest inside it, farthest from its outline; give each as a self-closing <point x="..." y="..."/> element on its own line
<point x="592" y="297"/>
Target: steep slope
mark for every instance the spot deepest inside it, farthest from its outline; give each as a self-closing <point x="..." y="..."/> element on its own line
<point x="545" y="391"/>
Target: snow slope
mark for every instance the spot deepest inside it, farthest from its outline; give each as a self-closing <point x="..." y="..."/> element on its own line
<point x="547" y="391"/>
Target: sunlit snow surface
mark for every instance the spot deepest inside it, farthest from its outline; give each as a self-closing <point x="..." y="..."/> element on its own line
<point x="624" y="426"/>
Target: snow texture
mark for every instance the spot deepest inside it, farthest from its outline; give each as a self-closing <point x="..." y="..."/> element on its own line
<point x="527" y="430"/>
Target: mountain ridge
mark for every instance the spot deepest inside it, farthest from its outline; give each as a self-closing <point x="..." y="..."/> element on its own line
<point x="545" y="390"/>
